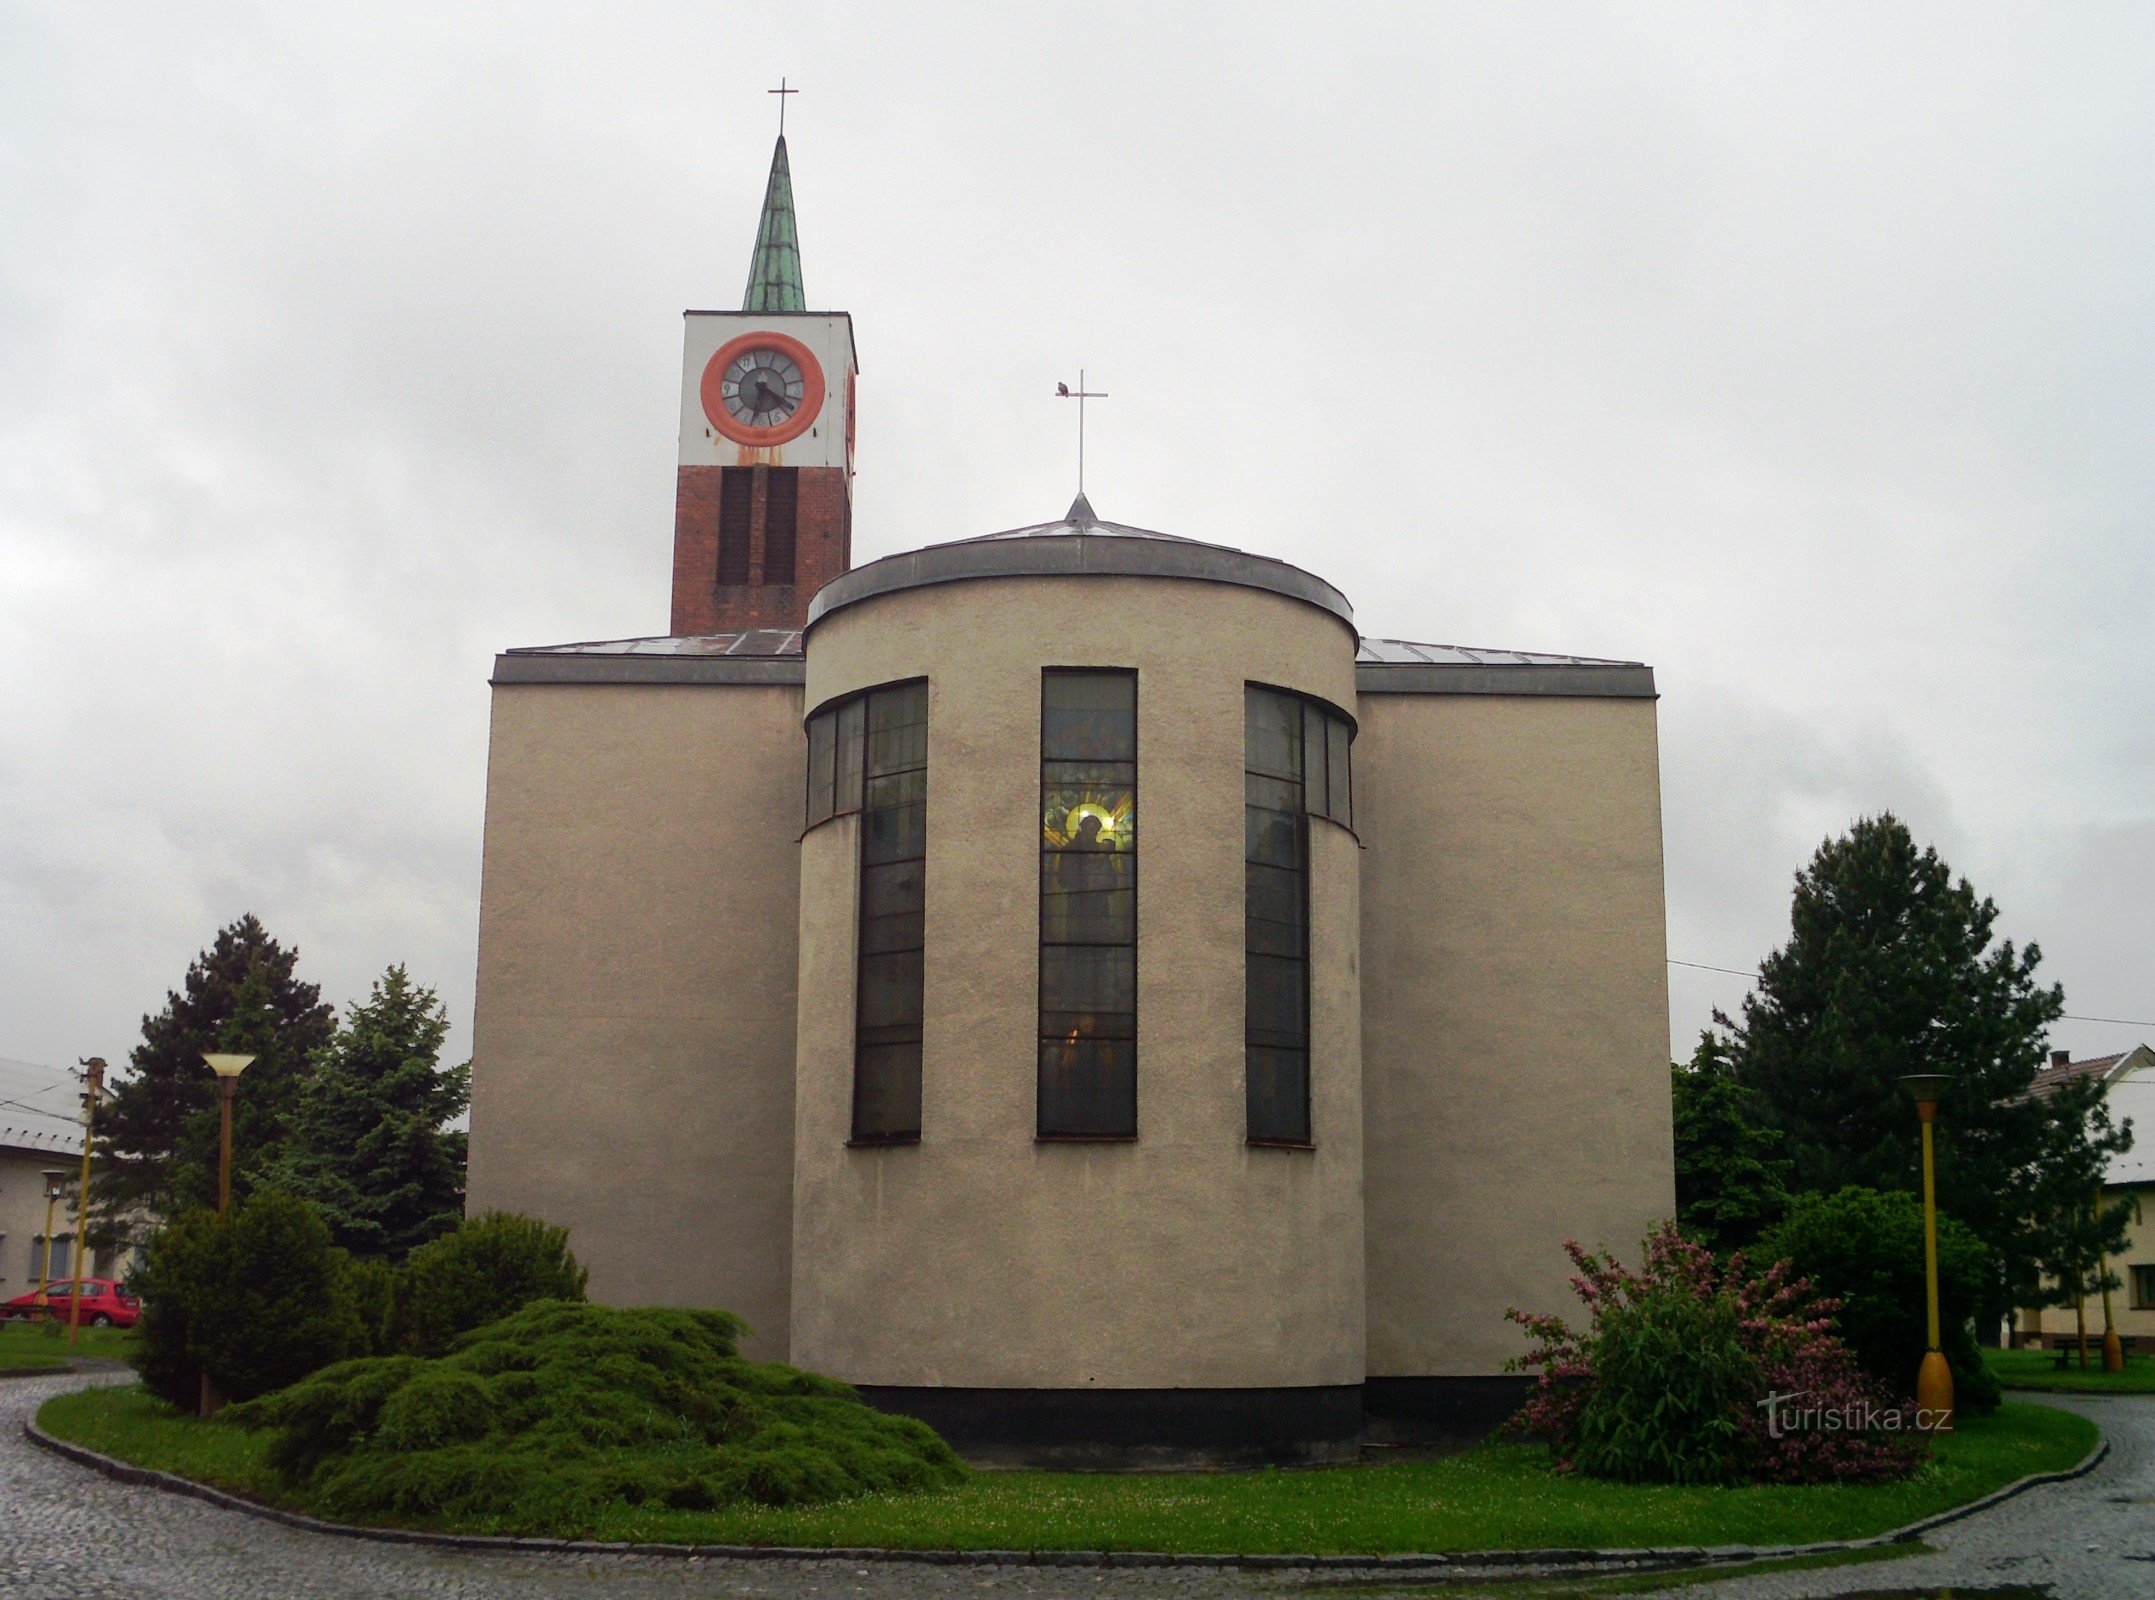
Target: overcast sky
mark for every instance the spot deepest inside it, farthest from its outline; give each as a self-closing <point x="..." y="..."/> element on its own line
<point x="1805" y="352"/>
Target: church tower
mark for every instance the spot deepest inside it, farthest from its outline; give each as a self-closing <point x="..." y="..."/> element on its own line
<point x="763" y="497"/>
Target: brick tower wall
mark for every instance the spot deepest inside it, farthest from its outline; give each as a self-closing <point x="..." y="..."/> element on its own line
<point x="767" y="596"/>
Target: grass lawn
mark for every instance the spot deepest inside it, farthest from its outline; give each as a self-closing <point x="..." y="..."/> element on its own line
<point x="2039" y="1369"/>
<point x="1496" y="1496"/>
<point x="44" y="1344"/>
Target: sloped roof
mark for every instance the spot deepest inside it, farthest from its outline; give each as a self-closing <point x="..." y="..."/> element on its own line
<point x="2049" y="1080"/>
<point x="38" y="1109"/>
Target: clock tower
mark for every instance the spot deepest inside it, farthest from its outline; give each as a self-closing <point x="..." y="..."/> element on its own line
<point x="763" y="494"/>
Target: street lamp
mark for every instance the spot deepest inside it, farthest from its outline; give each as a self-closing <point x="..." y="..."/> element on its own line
<point x="228" y="1068"/>
<point x="1934" y="1379"/>
<point x="55" y="1192"/>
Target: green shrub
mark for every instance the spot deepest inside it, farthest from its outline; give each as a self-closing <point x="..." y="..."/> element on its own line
<point x="1675" y="1382"/>
<point x="1864" y="1248"/>
<point x="545" y="1418"/>
<point x="491" y="1266"/>
<point x="170" y="1278"/>
<point x="369" y="1288"/>
<point x="256" y="1300"/>
<point x="1683" y="1369"/>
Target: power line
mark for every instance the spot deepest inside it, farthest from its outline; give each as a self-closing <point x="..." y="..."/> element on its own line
<point x="2063" y="1016"/>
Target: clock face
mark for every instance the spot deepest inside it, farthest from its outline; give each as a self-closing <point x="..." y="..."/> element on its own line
<point x="762" y="389"/>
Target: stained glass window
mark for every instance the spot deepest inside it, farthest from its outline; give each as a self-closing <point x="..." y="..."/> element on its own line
<point x="1088" y="905"/>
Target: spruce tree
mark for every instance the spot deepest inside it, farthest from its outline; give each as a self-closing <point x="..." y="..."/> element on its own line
<point x="369" y="1144"/>
<point x="157" y="1134"/>
<point x="1891" y="969"/>
<point x="1731" y="1183"/>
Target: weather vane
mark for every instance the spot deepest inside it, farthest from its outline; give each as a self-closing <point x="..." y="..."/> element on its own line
<point x="781" y="91"/>
<point x="1080" y="394"/>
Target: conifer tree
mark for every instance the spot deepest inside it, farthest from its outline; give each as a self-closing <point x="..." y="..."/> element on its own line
<point x="1891" y="969"/>
<point x="157" y="1134"/>
<point x="369" y="1144"/>
<point x="1730" y="1182"/>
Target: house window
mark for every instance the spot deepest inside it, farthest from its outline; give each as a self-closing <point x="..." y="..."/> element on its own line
<point x="1295" y="765"/>
<point x="60" y="1249"/>
<point x="869" y="754"/>
<point x="1088" y="905"/>
<point x="736" y="501"/>
<point x="2144" y="1288"/>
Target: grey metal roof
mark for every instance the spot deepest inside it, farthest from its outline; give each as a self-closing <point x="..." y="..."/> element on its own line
<point x="1078" y="544"/>
<point x="758" y="655"/>
<point x="753" y="642"/>
<point x="1398" y="666"/>
<point x="1405" y="653"/>
<point x="39" y="1108"/>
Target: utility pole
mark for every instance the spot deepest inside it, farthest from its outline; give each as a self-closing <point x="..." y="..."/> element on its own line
<point x="93" y="1075"/>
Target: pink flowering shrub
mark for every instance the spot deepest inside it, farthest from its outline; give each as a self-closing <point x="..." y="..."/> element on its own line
<point x="1670" y="1380"/>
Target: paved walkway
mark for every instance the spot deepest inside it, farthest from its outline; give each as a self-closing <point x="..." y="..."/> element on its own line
<point x="70" y="1534"/>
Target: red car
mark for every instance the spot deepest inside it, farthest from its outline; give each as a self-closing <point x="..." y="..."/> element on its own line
<point x="104" y="1304"/>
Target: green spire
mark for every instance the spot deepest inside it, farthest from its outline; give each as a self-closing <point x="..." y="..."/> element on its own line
<point x="774" y="273"/>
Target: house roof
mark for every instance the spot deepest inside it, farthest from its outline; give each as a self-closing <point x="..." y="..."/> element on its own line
<point x="38" y="1109"/>
<point x="2049" y="1080"/>
<point x="2128" y="1080"/>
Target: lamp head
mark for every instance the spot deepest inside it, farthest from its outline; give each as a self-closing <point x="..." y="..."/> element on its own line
<point x="226" y="1066"/>
<point x="1927" y="1088"/>
<point x="55" y="1184"/>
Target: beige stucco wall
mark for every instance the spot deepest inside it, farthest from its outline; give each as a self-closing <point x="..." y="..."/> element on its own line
<point x="980" y="1257"/>
<point x="632" y="1072"/>
<point x="22" y="1214"/>
<point x="1515" y="1010"/>
<point x="2056" y="1325"/>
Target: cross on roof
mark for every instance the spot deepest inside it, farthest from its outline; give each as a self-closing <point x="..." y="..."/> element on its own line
<point x="781" y="91"/>
<point x="1080" y="394"/>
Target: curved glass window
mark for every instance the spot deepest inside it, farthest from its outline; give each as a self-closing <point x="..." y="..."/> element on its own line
<point x="1295" y="766"/>
<point x="1088" y="905"/>
<point x="870" y="755"/>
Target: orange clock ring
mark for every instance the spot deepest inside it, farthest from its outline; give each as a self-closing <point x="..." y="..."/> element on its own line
<point x="714" y="403"/>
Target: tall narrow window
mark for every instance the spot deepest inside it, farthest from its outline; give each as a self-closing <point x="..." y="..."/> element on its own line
<point x="781" y="504"/>
<point x="1295" y="766"/>
<point x="1088" y="905"/>
<point x="736" y="499"/>
<point x="1276" y="917"/>
<point x="893" y="886"/>
<point x="870" y="754"/>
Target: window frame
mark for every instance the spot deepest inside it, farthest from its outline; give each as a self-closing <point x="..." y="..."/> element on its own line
<point x="2142" y="1276"/>
<point x="1041" y="946"/>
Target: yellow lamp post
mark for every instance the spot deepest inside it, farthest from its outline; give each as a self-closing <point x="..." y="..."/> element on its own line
<point x="228" y="1068"/>
<point x="55" y="1191"/>
<point x="94" y="1081"/>
<point x="1934" y="1378"/>
<point x="2113" y="1346"/>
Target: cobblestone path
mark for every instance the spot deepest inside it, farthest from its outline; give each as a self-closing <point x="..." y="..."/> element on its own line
<point x="70" y="1534"/>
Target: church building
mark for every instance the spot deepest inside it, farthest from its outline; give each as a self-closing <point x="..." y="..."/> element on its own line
<point x="1065" y="981"/>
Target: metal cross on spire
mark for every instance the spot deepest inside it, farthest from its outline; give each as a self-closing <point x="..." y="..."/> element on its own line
<point x="781" y="91"/>
<point x="1080" y="394"/>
